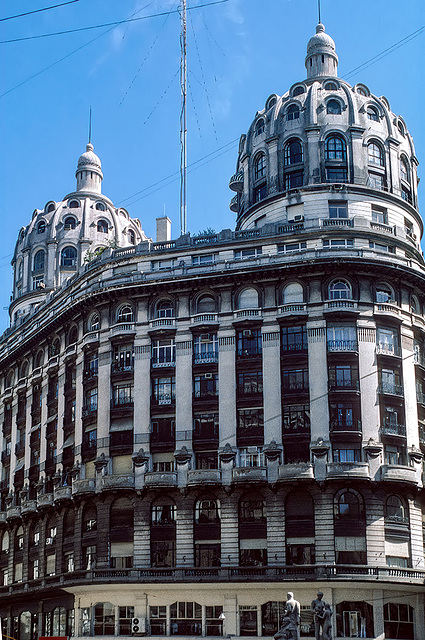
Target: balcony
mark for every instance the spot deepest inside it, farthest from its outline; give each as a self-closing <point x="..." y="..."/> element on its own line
<point x="346" y="425"/>
<point x="29" y="506"/>
<point x="391" y="388"/>
<point x="247" y="314"/>
<point x="124" y="328"/>
<point x="20" y="449"/>
<point x="118" y="367"/>
<point x="236" y="182"/>
<point x="92" y="336"/>
<point x="298" y="471"/>
<point x="338" y="222"/>
<point x="233" y="205"/>
<point x="118" y="482"/>
<point x="342" y="345"/>
<point x="161" y="399"/>
<point x="344" y="470"/>
<point x="292" y="309"/>
<point x="204" y="476"/>
<point x="122" y="402"/>
<point x="89" y="410"/>
<point x="80" y="487"/>
<point x="340" y="305"/>
<point x="393" y="430"/>
<point x="204" y="318"/>
<point x="13" y="513"/>
<point x="386" y="309"/>
<point x="387" y="349"/>
<point x="250" y="474"/>
<point x="61" y="494"/>
<point x="158" y="363"/>
<point x="246" y="354"/>
<point x="162" y="323"/>
<point x="53" y="364"/>
<point x="207" y="357"/>
<point x="45" y="500"/>
<point x="344" y="385"/>
<point x="293" y="227"/>
<point x="398" y="473"/>
<point x="161" y="479"/>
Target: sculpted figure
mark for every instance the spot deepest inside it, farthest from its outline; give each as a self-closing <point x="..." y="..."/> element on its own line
<point x="291" y="620"/>
<point x="322" y="618"/>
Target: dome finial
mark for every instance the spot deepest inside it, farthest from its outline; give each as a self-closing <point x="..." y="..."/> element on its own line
<point x="89" y="171"/>
<point x="321" y="59"/>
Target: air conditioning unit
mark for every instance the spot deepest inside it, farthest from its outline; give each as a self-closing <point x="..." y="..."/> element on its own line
<point x="138" y="626"/>
<point x="205" y="337"/>
<point x="247" y="333"/>
<point x="49" y="540"/>
<point x="208" y="376"/>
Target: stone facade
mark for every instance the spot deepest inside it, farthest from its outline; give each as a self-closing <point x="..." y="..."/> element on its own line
<point x="191" y="428"/>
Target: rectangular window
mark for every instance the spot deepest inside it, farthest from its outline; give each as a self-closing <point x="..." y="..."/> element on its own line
<point x="251" y="419"/>
<point x="376" y="181"/>
<point x="377" y="246"/>
<point x="125" y="615"/>
<point x="123" y="357"/>
<point x="347" y="455"/>
<point x="207" y="460"/>
<point x="379" y="215"/>
<point x="249" y="343"/>
<point x="158" y="620"/>
<point x="291" y="247"/>
<point x="294" y="380"/>
<point x="163" y="553"/>
<point x="122" y="395"/>
<point x="394" y="455"/>
<point x="342" y="338"/>
<point x="294" y="338"/>
<point x="250" y="383"/>
<point x="297" y="554"/>
<point x="164" y="390"/>
<point x="338" y="243"/>
<point x="205" y="426"/>
<point x="205" y="385"/>
<point x="260" y="192"/>
<point x="206" y="258"/>
<point x="387" y="340"/>
<point x="160" y="265"/>
<point x="342" y="416"/>
<point x="38" y="282"/>
<point x="338" y="209"/>
<point x="294" y="180"/>
<point x="163" y="352"/>
<point x="242" y="254"/>
<point x="335" y="174"/>
<point x="207" y="555"/>
<point x="251" y="457"/>
<point x="163" y="467"/>
<point x="205" y="348"/>
<point x="296" y="418"/>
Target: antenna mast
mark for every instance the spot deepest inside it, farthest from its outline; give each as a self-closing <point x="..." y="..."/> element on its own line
<point x="90" y="124"/>
<point x="318" y="7"/>
<point x="183" y="117"/>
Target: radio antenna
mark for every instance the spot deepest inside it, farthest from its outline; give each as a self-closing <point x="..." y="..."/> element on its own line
<point x="183" y="120"/>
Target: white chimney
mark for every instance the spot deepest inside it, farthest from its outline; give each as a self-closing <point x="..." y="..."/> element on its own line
<point x="163" y="229"/>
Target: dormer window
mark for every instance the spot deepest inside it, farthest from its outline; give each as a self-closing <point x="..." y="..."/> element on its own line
<point x="372" y="113"/>
<point x="41" y="227"/>
<point x="293" y="112"/>
<point x="39" y="261"/>
<point x="259" y="127"/>
<point x="100" y="206"/>
<point x="330" y="86"/>
<point x="102" y="226"/>
<point x="69" y="223"/>
<point x="298" y="91"/>
<point x="49" y="207"/>
<point x="131" y="236"/>
<point x="333" y="107"/>
<point x="374" y="154"/>
<point x="400" y="128"/>
<point x="74" y="204"/>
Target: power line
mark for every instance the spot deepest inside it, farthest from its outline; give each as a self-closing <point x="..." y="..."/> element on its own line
<point x="108" y="24"/>
<point x="28" y="13"/>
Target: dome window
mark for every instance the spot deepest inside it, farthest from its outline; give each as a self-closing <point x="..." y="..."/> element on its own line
<point x="74" y="204"/>
<point x="69" y="223"/>
<point x="384" y="294"/>
<point x="131" y="236"/>
<point x="400" y="127"/>
<point x="206" y="304"/>
<point x="94" y="322"/>
<point x="293" y="293"/>
<point x="259" y="127"/>
<point x="100" y="206"/>
<point x="374" y="154"/>
<point x="340" y="290"/>
<point x="164" y="309"/>
<point x="102" y="226"/>
<point x="298" y="91"/>
<point x="69" y="257"/>
<point x="39" y="261"/>
<point x="248" y="299"/>
<point x="41" y="227"/>
<point x="271" y="102"/>
<point x="20" y="269"/>
<point x="404" y="170"/>
<point x="372" y="113"/>
<point x="50" y="207"/>
<point x="260" y="166"/>
<point x="293" y="112"/>
<point x="335" y="148"/>
<point x="293" y="152"/>
<point x="331" y="86"/>
<point x="333" y="107"/>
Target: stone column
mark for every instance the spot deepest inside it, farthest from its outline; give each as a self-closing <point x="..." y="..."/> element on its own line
<point x="273" y="180"/>
<point x="368" y="379"/>
<point x="142" y="393"/>
<point x="227" y="386"/>
<point x="375" y="529"/>
<point x="184" y="533"/>
<point x="142" y="527"/>
<point x="184" y="419"/>
<point x="324" y="533"/>
<point x="416" y="535"/>
<point x="313" y="158"/>
<point x="378" y="614"/>
<point x="318" y="379"/>
<point x="229" y="530"/>
<point x="272" y="384"/>
<point x="358" y="160"/>
<point x="79" y="388"/>
<point x="409" y="387"/>
<point x="104" y="390"/>
<point x="276" y="552"/>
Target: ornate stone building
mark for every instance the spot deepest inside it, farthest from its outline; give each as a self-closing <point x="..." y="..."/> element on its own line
<point x="193" y="427"/>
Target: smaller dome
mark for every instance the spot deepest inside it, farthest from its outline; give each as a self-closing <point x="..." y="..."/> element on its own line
<point x="89" y="159"/>
<point x="321" y="41"/>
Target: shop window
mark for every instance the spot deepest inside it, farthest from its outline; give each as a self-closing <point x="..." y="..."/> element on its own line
<point x="186" y="619"/>
<point x="355" y="620"/>
<point x="104" y="619"/>
<point x="158" y="620"/>
<point x="399" y="621"/>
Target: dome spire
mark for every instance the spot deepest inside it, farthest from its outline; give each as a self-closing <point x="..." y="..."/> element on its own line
<point x="321" y="59"/>
<point x="89" y="171"/>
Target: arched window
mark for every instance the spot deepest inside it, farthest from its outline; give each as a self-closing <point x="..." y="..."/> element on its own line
<point x="372" y="113"/>
<point x="384" y="293"/>
<point x="131" y="236"/>
<point x="404" y="170"/>
<point x="125" y="314"/>
<point x="39" y="261"/>
<point x="207" y="511"/>
<point x="68" y="524"/>
<point x="41" y="227"/>
<point x="163" y="512"/>
<point x="271" y="102"/>
<point x="298" y="91"/>
<point x="293" y="112"/>
<point x="330" y="86"/>
<point x="19" y="539"/>
<point x="121" y="549"/>
<point x="293" y="293"/>
<point x="94" y="322"/>
<point x="69" y="257"/>
<point x="5" y="542"/>
<point x="252" y="509"/>
<point x="248" y="299"/>
<point x="361" y="91"/>
<point x="349" y="506"/>
<point x="10" y="379"/>
<point x="374" y="154"/>
<point x="260" y="166"/>
<point x="414" y="304"/>
<point x="89" y="518"/>
<point x="100" y="206"/>
<point x="293" y="152"/>
<point x="24" y="370"/>
<point x="333" y="107"/>
<point x="206" y="304"/>
<point x="164" y="309"/>
<point x="335" y="148"/>
<point x="340" y="290"/>
<point x="74" y="204"/>
<point x="102" y="226"/>
<point x="55" y="347"/>
<point x="39" y="359"/>
<point x="20" y="269"/>
<point x="395" y="510"/>
<point x="72" y="335"/>
<point x="259" y="126"/>
<point x="400" y="127"/>
<point x="69" y="223"/>
<point x="50" y="207"/>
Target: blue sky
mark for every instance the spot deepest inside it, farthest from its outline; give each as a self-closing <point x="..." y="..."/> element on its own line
<point x="239" y="52"/>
